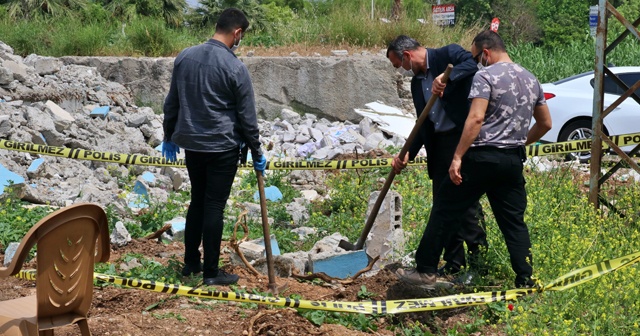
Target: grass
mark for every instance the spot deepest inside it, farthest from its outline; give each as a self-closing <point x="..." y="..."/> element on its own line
<point x="566" y="232"/>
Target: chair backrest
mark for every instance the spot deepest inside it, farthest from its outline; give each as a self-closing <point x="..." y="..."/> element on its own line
<point x="66" y="252"/>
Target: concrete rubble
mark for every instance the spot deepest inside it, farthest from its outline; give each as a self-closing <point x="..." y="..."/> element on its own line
<point x="49" y="101"/>
<point x="57" y="102"/>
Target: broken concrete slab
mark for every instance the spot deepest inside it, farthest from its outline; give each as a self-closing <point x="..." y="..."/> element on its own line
<point x="61" y="118"/>
<point x="10" y="252"/>
<point x="254" y="250"/>
<point x="282" y="266"/>
<point x="43" y="65"/>
<point x="178" y="225"/>
<point x="271" y="193"/>
<point x="35" y="168"/>
<point x="8" y="178"/>
<point x="120" y="235"/>
<point x="388" y="118"/>
<point x="338" y="264"/>
<point x="100" y="112"/>
<point x="19" y="70"/>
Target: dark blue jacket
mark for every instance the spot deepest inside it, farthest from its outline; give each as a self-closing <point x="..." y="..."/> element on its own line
<point x="455" y="98"/>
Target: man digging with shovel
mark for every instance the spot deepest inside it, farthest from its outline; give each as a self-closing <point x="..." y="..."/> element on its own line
<point x="439" y="135"/>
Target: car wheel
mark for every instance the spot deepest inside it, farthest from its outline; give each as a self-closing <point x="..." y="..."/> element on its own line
<point x="577" y="130"/>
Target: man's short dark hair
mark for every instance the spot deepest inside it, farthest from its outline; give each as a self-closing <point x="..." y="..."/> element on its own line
<point x="489" y="40"/>
<point x="231" y="19"/>
<point x="400" y="44"/>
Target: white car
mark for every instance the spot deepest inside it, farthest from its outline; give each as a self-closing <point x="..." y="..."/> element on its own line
<point x="570" y="102"/>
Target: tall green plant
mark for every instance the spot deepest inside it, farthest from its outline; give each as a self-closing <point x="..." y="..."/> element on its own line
<point x="28" y="9"/>
<point x="172" y="11"/>
<point x="209" y="11"/>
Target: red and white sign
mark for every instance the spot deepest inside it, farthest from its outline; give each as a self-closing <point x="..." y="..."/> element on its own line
<point x="443" y="15"/>
<point x="495" y="24"/>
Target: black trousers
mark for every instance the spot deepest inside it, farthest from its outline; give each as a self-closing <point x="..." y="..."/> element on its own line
<point x="472" y="230"/>
<point x="498" y="174"/>
<point x="211" y="177"/>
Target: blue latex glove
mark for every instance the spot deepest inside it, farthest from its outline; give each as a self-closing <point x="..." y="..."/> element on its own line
<point x="260" y="164"/>
<point x="169" y="150"/>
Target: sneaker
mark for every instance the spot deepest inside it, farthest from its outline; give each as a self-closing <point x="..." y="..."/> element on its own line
<point x="427" y="280"/>
<point x="223" y="278"/>
<point x="187" y="270"/>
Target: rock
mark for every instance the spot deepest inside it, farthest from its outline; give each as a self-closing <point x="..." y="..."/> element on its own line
<point x="120" y="236"/>
<point x="43" y="65"/>
<point x="299" y="213"/>
<point x="6" y="76"/>
<point x="10" y="252"/>
<point x="339" y="53"/>
<point x="19" y="70"/>
<point x="62" y="119"/>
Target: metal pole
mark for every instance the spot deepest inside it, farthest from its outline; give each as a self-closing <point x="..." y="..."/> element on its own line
<point x="598" y="103"/>
<point x="372" y="9"/>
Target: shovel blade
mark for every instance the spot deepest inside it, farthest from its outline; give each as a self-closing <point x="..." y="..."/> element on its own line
<point x="348" y="246"/>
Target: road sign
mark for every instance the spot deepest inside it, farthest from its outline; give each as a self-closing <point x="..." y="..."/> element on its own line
<point x="495" y="23"/>
<point x="443" y="15"/>
<point x="593" y="19"/>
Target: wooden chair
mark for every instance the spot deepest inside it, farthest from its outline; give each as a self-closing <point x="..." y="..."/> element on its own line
<point x="66" y="252"/>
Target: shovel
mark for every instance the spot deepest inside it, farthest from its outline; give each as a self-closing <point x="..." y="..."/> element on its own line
<point x="387" y="184"/>
<point x="273" y="287"/>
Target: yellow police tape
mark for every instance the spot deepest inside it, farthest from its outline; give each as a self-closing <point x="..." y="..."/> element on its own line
<point x="569" y="280"/>
<point x="146" y="160"/>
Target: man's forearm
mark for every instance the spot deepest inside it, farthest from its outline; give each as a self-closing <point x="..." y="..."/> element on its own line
<point x="535" y="133"/>
<point x="469" y="134"/>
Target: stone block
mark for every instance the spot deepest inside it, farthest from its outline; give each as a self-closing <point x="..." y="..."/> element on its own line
<point x="61" y="118"/>
<point x="386" y="238"/>
<point x="19" y="70"/>
<point x="43" y="65"/>
<point x="100" y="111"/>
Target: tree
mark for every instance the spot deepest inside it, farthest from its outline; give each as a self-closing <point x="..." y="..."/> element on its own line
<point x="207" y="15"/>
<point x="171" y="10"/>
<point x="396" y="11"/>
<point x="32" y="8"/>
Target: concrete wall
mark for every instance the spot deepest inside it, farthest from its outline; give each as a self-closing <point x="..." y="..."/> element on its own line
<point x="329" y="87"/>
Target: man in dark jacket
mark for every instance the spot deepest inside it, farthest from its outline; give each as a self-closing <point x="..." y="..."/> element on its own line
<point x="441" y="131"/>
<point x="210" y="112"/>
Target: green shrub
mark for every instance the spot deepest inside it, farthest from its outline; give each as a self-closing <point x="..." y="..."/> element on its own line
<point x="27" y="36"/>
<point x="151" y="37"/>
<point x="88" y="39"/>
<point x="16" y="220"/>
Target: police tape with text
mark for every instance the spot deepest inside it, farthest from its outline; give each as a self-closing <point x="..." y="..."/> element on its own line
<point x="145" y="160"/>
<point x="567" y="281"/>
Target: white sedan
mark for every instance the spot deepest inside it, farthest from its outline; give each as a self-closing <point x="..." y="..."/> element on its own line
<point x="570" y="102"/>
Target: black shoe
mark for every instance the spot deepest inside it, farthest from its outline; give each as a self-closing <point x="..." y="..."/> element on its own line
<point x="187" y="270"/>
<point x="223" y="278"/>
<point x="466" y="279"/>
<point x="444" y="271"/>
<point x="526" y="285"/>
